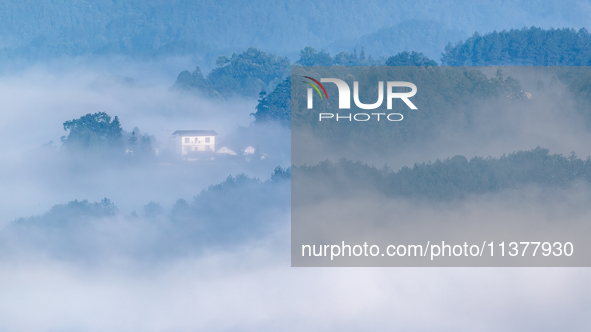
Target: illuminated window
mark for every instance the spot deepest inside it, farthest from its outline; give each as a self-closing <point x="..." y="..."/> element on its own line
<point x="207" y="140"/>
<point x="187" y="140"/>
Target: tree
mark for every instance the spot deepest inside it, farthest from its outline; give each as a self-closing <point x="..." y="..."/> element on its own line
<point x="410" y="59"/>
<point x="243" y="74"/>
<point x="93" y="131"/>
<point x="145" y="148"/>
<point x="275" y="106"/>
<point x="132" y="139"/>
<point x="456" y="177"/>
<point x="222" y="61"/>
<point x="522" y="47"/>
<point x="194" y="81"/>
<point x="310" y="57"/>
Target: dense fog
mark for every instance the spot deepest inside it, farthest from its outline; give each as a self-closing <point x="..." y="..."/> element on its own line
<point x="219" y="260"/>
<point x="37" y="173"/>
<point x="134" y="237"/>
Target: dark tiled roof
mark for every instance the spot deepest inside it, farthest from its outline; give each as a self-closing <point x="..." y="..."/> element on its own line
<point x="195" y="133"/>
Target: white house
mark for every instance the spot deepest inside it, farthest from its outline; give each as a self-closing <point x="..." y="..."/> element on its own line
<point x="191" y="141"/>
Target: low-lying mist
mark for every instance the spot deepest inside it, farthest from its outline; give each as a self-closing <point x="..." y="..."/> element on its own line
<point x="37" y="173"/>
<point x="237" y="211"/>
<point x="182" y="246"/>
<point x="250" y="285"/>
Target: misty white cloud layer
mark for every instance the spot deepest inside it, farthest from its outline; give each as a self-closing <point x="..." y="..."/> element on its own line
<point x="254" y="289"/>
<point x="37" y="101"/>
<point x="250" y="288"/>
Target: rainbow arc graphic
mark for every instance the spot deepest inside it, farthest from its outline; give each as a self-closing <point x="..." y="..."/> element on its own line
<point x="316" y="87"/>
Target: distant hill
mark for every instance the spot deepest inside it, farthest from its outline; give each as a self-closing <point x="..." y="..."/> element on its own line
<point x="205" y="29"/>
<point x="228" y="213"/>
<point x="523" y="47"/>
<point x="457" y="177"/>
<point x="428" y="37"/>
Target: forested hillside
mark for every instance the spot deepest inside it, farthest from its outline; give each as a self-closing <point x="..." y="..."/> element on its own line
<point x="244" y="74"/>
<point x="524" y="47"/>
<point x="276" y="106"/>
<point x="76" y="230"/>
<point x="427" y="36"/>
<point x="226" y="214"/>
<point x="457" y="177"/>
<point x="205" y="29"/>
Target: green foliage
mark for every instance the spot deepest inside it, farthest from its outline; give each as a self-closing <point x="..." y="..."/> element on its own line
<point x="309" y="56"/>
<point x="524" y="47"/>
<point x="93" y="131"/>
<point x="145" y="148"/>
<point x="67" y="231"/>
<point x="244" y="74"/>
<point x="248" y="73"/>
<point x="457" y="177"/>
<point x="71" y="213"/>
<point x="231" y="210"/>
<point x="222" y="61"/>
<point x="194" y="81"/>
<point x="280" y="174"/>
<point x="205" y="29"/>
<point x="229" y="213"/>
<point x="153" y="210"/>
<point x="410" y="59"/>
<point x="275" y="106"/>
<point x="139" y="146"/>
<point x="426" y="36"/>
<point x="346" y="59"/>
<point x="240" y="180"/>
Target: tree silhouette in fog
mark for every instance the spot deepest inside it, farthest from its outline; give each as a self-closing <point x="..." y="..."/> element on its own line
<point x="93" y="131"/>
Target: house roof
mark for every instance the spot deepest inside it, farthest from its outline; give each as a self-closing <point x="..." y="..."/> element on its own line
<point x="195" y="133"/>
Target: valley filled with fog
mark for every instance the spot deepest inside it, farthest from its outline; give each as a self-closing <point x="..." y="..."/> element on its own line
<point x="105" y="225"/>
<point x="206" y="244"/>
<point x="38" y="173"/>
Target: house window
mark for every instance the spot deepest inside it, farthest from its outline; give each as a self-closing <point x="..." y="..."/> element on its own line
<point x="207" y="140"/>
<point x="187" y="140"/>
